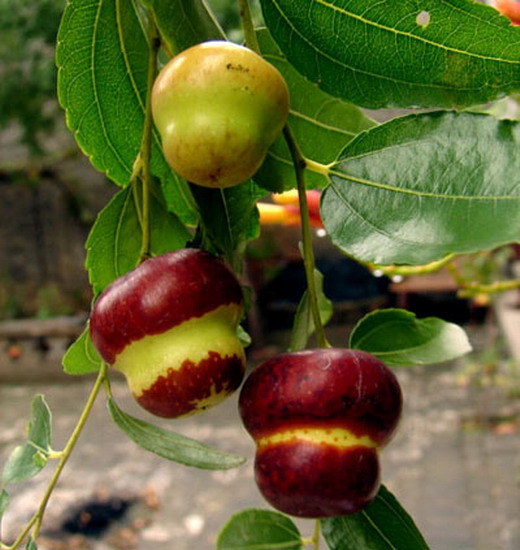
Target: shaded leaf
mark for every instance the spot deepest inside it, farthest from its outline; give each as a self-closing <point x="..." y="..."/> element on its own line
<point x="31" y="544"/>
<point x="170" y="445"/>
<point x="321" y="124"/>
<point x="102" y="56"/>
<point x="28" y="459"/>
<point x="420" y="187"/>
<point x="114" y="242"/>
<point x="398" y="338"/>
<point x="303" y="326"/>
<point x="184" y="23"/>
<point x="383" y="525"/>
<point x="81" y="357"/>
<point x="399" y="54"/>
<point x="229" y="217"/>
<point x="254" y="529"/>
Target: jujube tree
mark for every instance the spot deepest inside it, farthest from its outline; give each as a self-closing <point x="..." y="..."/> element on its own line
<point x="193" y="151"/>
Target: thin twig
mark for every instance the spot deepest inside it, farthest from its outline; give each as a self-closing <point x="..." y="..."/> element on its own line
<point x="146" y="144"/>
<point x="248" y="26"/>
<point x="308" y="251"/>
<point x="35" y="522"/>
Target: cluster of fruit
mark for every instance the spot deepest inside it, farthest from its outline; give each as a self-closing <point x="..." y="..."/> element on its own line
<point x="319" y="416"/>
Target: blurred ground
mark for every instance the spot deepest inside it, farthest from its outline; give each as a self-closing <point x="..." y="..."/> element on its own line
<point x="454" y="465"/>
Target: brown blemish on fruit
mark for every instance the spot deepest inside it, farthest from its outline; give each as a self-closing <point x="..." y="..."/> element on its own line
<point x="239" y="67"/>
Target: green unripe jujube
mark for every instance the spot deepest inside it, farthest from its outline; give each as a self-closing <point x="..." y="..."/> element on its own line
<point x="218" y="107"/>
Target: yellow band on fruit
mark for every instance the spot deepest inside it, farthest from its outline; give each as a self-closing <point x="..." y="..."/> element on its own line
<point x="337" y="437"/>
<point x="144" y="360"/>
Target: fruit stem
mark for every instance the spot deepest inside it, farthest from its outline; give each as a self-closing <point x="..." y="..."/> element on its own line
<point x="146" y="143"/>
<point x="316" y="535"/>
<point x="36" y="520"/>
<point x="314" y="541"/>
<point x="308" y="251"/>
<point x="248" y="26"/>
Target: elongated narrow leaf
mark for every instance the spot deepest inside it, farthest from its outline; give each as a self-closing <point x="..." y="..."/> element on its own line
<point x="28" y="459"/>
<point x="382" y="525"/>
<point x="385" y="54"/>
<point x="303" y="326"/>
<point x="31" y="544"/>
<point x="4" y="502"/>
<point x="398" y="338"/>
<point x="114" y="243"/>
<point x="172" y="446"/>
<point x="321" y="124"/>
<point x="184" y="23"/>
<point x="417" y="188"/>
<point x="259" y="530"/>
<point x="102" y="56"/>
<point x="81" y="357"/>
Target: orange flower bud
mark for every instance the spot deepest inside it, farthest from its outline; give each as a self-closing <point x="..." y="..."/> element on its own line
<point x="275" y="214"/>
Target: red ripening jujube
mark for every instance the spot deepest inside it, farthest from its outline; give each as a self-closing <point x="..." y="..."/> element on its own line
<point x="319" y="418"/>
<point x="170" y="326"/>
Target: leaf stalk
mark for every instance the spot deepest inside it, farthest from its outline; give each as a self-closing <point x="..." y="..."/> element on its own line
<point x="468" y="289"/>
<point x="407" y="270"/>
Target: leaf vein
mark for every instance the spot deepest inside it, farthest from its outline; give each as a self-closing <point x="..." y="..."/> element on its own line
<point x="356" y="70"/>
<point x="412" y="36"/>
<point x="95" y="92"/>
<point x="416" y="193"/>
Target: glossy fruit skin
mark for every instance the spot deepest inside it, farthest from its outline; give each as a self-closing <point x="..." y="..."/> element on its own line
<point x="218" y="107"/>
<point x="319" y="418"/>
<point x="170" y="326"/>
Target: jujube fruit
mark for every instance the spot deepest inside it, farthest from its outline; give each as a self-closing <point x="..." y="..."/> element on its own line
<point x="318" y="418"/>
<point x="170" y="327"/>
<point x="218" y="107"/>
<point x="509" y="8"/>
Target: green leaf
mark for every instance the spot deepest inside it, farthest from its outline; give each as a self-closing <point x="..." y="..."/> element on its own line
<point x="259" y="530"/>
<point x="31" y="544"/>
<point x="243" y="336"/>
<point x="28" y="459"/>
<point x="114" y="244"/>
<point x="172" y="446"/>
<point x="419" y="187"/>
<point x="184" y="23"/>
<point x="321" y="124"/>
<point x="102" y="56"/>
<point x="303" y="326"/>
<point x="4" y="502"/>
<point x="229" y="217"/>
<point x="398" y="338"/>
<point x="382" y="54"/>
<point x="382" y="525"/>
<point x="81" y="357"/>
